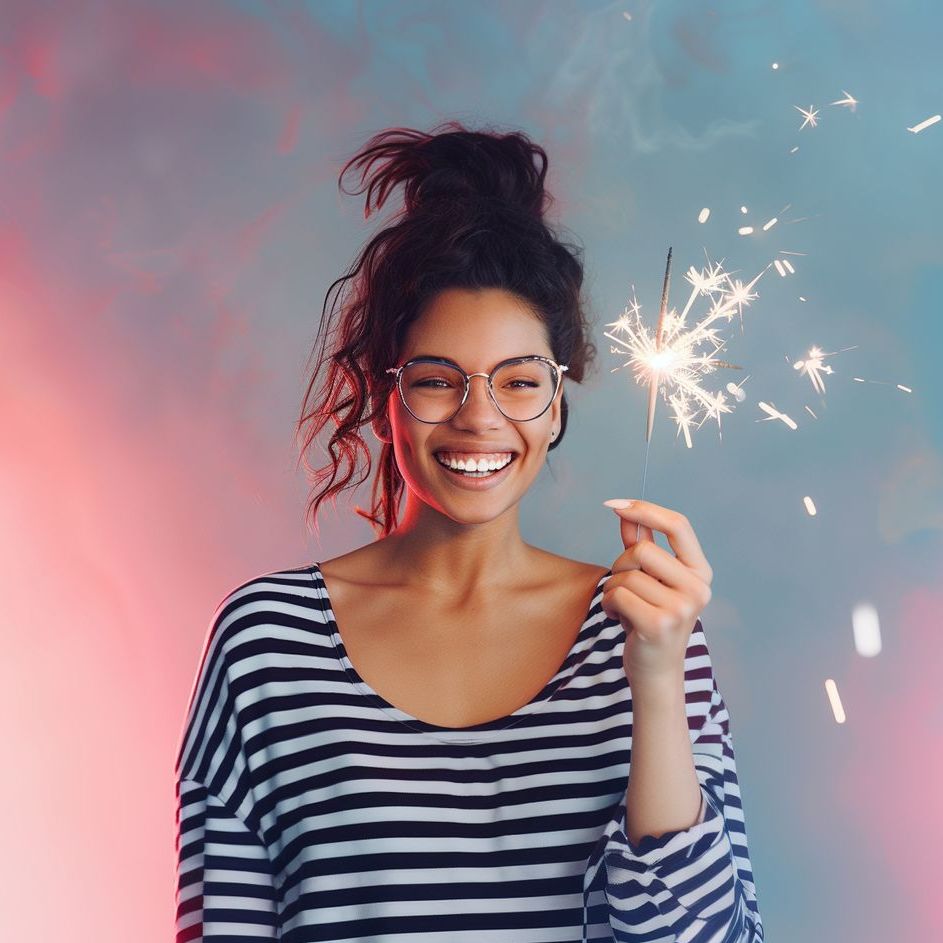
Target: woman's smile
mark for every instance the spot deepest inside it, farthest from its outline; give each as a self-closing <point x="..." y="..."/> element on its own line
<point x="479" y="480"/>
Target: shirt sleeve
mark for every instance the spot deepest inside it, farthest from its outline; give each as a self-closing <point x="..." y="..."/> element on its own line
<point x="225" y="888"/>
<point x="693" y="885"/>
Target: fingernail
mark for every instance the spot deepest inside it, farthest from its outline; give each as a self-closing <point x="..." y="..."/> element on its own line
<point x="618" y="503"/>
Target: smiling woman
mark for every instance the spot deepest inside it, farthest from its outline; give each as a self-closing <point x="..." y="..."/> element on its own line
<point x="472" y="243"/>
<point x="431" y="735"/>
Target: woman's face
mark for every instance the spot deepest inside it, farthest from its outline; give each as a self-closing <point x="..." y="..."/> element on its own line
<point x="477" y="330"/>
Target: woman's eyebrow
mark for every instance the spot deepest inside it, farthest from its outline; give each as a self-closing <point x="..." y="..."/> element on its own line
<point x="455" y="362"/>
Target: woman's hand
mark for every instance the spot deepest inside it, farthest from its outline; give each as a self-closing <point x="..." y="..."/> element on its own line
<point x="657" y="596"/>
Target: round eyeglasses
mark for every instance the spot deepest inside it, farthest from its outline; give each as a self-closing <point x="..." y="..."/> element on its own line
<point x="434" y="390"/>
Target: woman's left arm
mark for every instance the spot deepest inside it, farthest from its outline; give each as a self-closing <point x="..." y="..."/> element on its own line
<point x="677" y="859"/>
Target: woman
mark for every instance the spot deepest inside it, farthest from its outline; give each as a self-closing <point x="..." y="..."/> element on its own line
<point x="431" y="735"/>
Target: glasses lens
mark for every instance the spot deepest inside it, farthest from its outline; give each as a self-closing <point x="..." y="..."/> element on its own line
<point x="523" y="390"/>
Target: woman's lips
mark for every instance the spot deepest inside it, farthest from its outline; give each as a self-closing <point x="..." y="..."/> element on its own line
<point x="475" y="483"/>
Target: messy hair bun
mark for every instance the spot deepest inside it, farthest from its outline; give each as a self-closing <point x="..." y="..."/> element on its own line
<point x="472" y="218"/>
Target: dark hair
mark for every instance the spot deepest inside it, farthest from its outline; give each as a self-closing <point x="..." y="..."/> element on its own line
<point x="472" y="219"/>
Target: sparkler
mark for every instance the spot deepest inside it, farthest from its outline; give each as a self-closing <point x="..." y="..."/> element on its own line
<point x="670" y="362"/>
<point x="653" y="382"/>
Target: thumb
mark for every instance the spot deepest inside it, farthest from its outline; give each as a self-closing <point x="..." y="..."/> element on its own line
<point x="630" y="529"/>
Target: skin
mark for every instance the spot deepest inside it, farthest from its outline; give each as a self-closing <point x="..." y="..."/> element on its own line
<point x="463" y="546"/>
<point x="658" y="597"/>
<point x="455" y="543"/>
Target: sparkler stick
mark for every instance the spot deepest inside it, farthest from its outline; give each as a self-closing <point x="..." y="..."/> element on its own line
<point x="669" y="360"/>
<point x="653" y="382"/>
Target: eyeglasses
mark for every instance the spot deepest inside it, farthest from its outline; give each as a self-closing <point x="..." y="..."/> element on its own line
<point x="433" y="389"/>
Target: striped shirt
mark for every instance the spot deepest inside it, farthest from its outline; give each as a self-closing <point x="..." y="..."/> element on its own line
<point x="310" y="809"/>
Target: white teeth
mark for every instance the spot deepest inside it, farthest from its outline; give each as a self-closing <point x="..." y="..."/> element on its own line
<point x="471" y="465"/>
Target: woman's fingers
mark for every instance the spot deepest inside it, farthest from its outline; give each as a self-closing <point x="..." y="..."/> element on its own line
<point x="675" y="526"/>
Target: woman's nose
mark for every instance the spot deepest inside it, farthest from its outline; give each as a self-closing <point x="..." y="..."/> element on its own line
<point x="480" y="398"/>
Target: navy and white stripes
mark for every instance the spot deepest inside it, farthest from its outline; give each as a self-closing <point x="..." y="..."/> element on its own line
<point x="311" y="809"/>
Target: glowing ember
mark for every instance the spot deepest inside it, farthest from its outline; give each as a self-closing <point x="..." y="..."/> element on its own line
<point x="810" y="116"/>
<point x="774" y="413"/>
<point x="917" y="128"/>
<point x="813" y="366"/>
<point x="867" y="630"/>
<point x="850" y="102"/>
<point x="838" y="712"/>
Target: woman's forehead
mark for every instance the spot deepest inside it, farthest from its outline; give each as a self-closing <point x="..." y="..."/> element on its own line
<point x="475" y="334"/>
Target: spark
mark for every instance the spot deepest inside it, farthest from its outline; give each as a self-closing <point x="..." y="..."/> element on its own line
<point x="736" y="389"/>
<point x="669" y="361"/>
<point x="847" y="100"/>
<point x="745" y="230"/>
<point x="770" y="224"/>
<point x="834" y="699"/>
<point x="809" y="505"/>
<point x="774" y="413"/>
<point x="740" y="294"/>
<point x="794" y="149"/>
<point x="900" y="386"/>
<point x="917" y="128"/>
<point x="810" y="116"/>
<point x="813" y="366"/>
<point x="867" y="630"/>
<point x="775" y="65"/>
<point x="702" y="217"/>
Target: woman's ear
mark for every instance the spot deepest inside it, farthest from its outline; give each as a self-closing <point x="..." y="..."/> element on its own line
<point x="381" y="431"/>
<point x="380" y="424"/>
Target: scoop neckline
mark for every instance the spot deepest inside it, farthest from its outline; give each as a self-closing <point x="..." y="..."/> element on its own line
<point x="462" y="734"/>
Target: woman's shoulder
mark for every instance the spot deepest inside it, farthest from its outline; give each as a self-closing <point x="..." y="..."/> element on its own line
<point x="564" y="569"/>
<point x="358" y="568"/>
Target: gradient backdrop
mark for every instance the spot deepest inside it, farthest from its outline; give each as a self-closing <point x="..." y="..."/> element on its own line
<point x="169" y="224"/>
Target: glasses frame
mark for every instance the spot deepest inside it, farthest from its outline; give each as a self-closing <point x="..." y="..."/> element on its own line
<point x="559" y="370"/>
